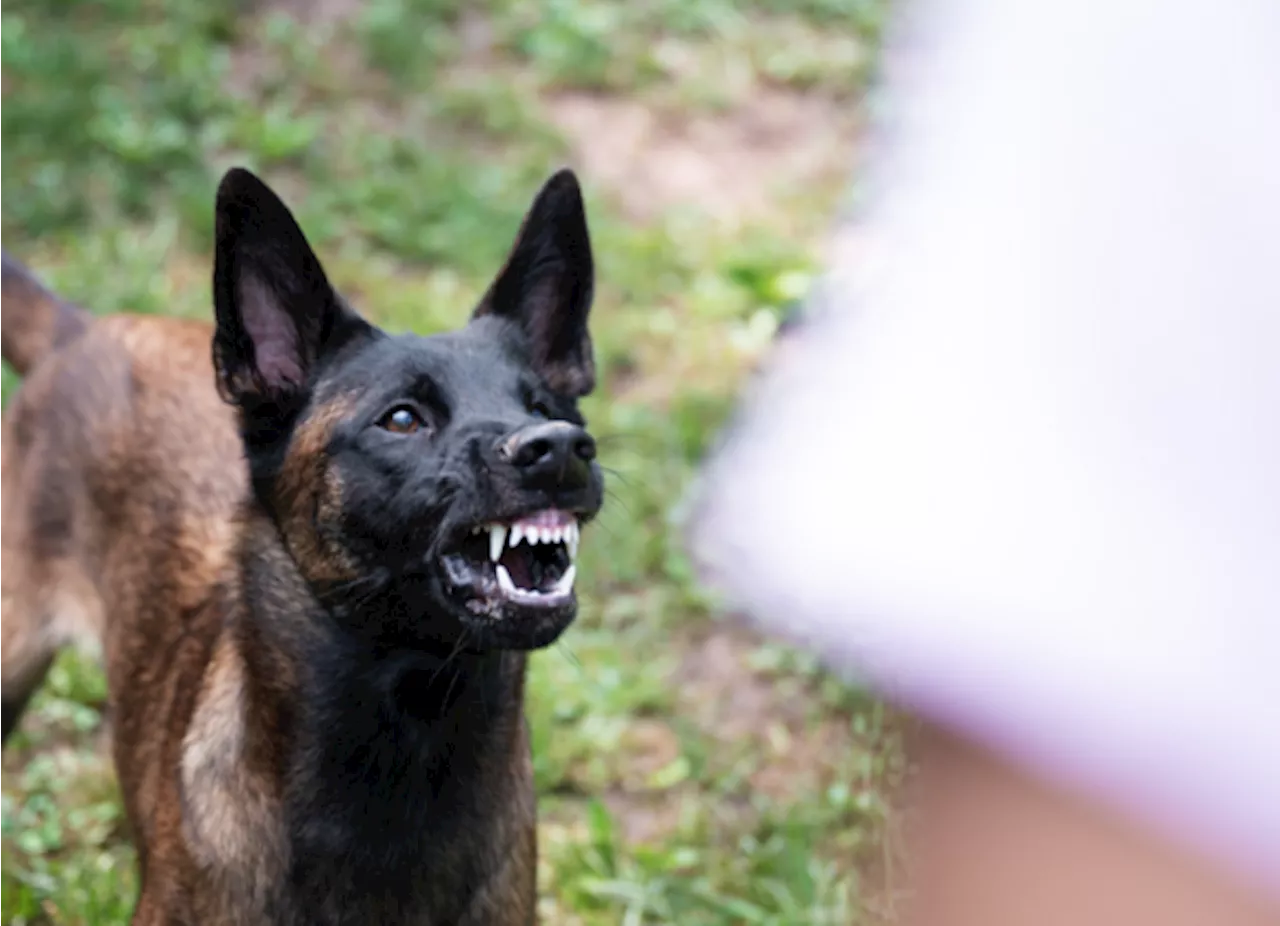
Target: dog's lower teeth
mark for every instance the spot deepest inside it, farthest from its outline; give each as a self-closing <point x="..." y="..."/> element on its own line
<point x="504" y="580"/>
<point x="563" y="586"/>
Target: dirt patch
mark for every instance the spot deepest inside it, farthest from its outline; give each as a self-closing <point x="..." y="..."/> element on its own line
<point x="746" y="710"/>
<point x="800" y="752"/>
<point x="734" y="166"/>
<point x="326" y="13"/>
<point x="651" y="746"/>
<point x="644" y="818"/>
<point x="256" y="68"/>
<point x="731" y="699"/>
<point x="751" y="718"/>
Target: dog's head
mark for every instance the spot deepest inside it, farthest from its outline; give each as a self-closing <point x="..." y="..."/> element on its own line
<point x="447" y="477"/>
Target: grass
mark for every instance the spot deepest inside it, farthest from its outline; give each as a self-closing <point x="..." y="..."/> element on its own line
<point x="687" y="771"/>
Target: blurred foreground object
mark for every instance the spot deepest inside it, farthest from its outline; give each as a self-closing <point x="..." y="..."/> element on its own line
<point x="1020" y="468"/>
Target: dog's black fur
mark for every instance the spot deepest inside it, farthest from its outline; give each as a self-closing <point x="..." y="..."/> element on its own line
<point x="317" y="694"/>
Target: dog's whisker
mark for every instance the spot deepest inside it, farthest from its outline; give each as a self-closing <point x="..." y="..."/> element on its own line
<point x="601" y="525"/>
<point x="617" y="474"/>
<point x="620" y="501"/>
<point x="568" y="654"/>
<point x="376" y="582"/>
<point x="453" y="654"/>
<point x="616" y="437"/>
<point x="453" y="679"/>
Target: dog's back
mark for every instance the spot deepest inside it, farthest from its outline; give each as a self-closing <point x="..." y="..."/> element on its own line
<point x="101" y="540"/>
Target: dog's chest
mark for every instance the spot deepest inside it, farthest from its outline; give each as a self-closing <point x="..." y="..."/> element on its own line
<point x="387" y="811"/>
<point x="439" y="836"/>
<point x="466" y="871"/>
<point x="475" y="871"/>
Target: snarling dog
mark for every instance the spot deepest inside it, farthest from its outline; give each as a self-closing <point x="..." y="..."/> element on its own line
<point x="316" y="555"/>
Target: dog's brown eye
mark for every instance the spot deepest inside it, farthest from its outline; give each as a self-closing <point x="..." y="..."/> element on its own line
<point x="402" y="420"/>
<point x="535" y="406"/>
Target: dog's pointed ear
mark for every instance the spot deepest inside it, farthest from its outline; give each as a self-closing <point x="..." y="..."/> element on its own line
<point x="547" y="285"/>
<point x="276" y="313"/>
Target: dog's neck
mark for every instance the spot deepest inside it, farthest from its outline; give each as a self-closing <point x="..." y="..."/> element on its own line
<point x="399" y="767"/>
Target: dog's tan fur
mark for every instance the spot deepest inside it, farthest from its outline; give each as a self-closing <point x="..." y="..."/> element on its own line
<point x="123" y="486"/>
<point x="121" y="480"/>
<point x="315" y="676"/>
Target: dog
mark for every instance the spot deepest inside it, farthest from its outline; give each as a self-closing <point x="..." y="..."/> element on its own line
<point x="316" y="555"/>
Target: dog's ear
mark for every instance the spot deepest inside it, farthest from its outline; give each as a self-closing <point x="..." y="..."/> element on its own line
<point x="547" y="285"/>
<point x="276" y="313"/>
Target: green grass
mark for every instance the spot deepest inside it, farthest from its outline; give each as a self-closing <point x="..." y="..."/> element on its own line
<point x="687" y="772"/>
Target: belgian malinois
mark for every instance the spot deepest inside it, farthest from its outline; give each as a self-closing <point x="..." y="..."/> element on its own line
<point x="315" y="554"/>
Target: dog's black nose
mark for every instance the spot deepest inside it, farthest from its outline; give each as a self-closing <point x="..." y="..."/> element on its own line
<point x="551" y="454"/>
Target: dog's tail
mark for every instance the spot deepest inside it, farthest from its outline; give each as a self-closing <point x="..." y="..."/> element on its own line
<point x="35" y="321"/>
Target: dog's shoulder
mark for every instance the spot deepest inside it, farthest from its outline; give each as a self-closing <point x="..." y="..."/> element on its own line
<point x="229" y="794"/>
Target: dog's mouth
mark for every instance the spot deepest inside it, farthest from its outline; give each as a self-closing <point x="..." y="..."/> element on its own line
<point x="525" y="564"/>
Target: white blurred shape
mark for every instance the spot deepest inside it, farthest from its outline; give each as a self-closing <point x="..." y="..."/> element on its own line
<point x="1026" y="475"/>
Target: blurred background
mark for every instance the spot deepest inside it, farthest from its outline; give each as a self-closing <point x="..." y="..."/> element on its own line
<point x="688" y="771"/>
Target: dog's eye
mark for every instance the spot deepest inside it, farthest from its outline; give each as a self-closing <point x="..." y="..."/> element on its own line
<point x="402" y="420"/>
<point x="534" y="405"/>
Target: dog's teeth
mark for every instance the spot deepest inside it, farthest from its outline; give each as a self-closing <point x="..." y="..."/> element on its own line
<point x="557" y="534"/>
<point x="571" y="537"/>
<point x="565" y="585"/>
<point x="504" y="580"/>
<point x="516" y="533"/>
<point x="546" y="535"/>
<point x="497" y="540"/>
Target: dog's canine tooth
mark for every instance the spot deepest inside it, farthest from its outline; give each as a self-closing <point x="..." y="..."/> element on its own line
<point x="497" y="540"/>
<point x="571" y="537"/>
<point x="505" y="581"/>
<point x="565" y="585"/>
